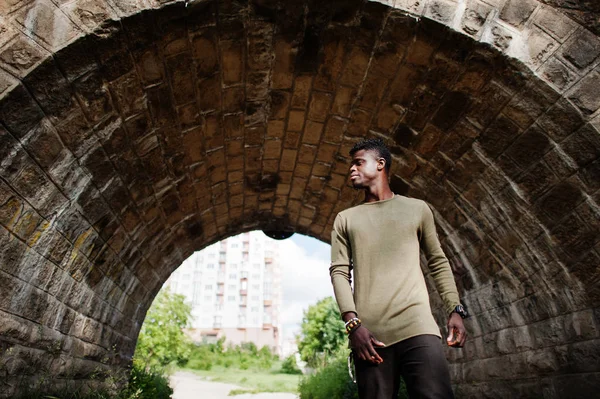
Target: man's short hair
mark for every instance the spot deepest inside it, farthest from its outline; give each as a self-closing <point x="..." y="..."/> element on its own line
<point x="376" y="145"/>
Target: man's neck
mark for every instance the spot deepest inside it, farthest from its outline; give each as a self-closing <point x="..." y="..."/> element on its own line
<point x="379" y="192"/>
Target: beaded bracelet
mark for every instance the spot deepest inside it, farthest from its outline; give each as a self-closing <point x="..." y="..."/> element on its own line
<point x="352" y="325"/>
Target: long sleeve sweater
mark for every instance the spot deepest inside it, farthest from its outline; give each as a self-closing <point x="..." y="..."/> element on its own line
<point x="380" y="242"/>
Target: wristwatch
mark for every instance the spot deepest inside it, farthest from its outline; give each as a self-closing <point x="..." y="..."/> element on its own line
<point x="460" y="310"/>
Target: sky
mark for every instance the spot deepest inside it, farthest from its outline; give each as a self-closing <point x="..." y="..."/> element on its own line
<point x="305" y="278"/>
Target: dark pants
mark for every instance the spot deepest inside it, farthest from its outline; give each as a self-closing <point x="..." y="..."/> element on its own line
<point x="419" y="360"/>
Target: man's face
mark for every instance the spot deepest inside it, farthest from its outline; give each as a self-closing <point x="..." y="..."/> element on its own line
<point x="364" y="168"/>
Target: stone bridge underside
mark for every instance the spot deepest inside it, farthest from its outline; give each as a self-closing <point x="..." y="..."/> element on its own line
<point x="134" y="133"/>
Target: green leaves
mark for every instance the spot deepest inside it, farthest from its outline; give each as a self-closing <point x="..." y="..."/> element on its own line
<point x="161" y="340"/>
<point x="322" y="332"/>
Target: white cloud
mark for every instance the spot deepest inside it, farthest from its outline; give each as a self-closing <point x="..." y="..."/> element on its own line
<point x="305" y="280"/>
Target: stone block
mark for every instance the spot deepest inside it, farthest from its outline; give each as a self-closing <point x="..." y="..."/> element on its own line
<point x="498" y="135"/>
<point x="558" y="74"/>
<point x="302" y="90"/>
<point x="283" y="68"/>
<point x="560" y="200"/>
<point x="582" y="50"/>
<point x="359" y="123"/>
<point x="319" y="106"/>
<point x="517" y="12"/>
<point x="540" y="47"/>
<point x="209" y="96"/>
<point x="292" y="140"/>
<point x="288" y="159"/>
<point x="355" y="68"/>
<point x="414" y="6"/>
<point x="312" y="132"/>
<point x="529" y="147"/>
<point x="48" y="23"/>
<point x="372" y="92"/>
<point x="344" y="98"/>
<point x="440" y="10"/>
<point x="180" y="74"/>
<point x="21" y="55"/>
<point x="554" y="22"/>
<point x="19" y="112"/>
<point x="334" y="130"/>
<point x="43" y="144"/>
<point x="295" y="121"/>
<point x="585" y="94"/>
<point x="583" y="146"/>
<point x="333" y="62"/>
<point x="561" y="120"/>
<point x="474" y="17"/>
<point x="453" y="105"/>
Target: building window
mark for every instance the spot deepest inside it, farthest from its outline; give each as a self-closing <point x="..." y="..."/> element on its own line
<point x="231" y="298"/>
<point x="208" y="287"/>
<point x="210" y="266"/>
<point x="255" y="298"/>
<point x="254" y="309"/>
<point x="256" y="287"/>
<point x="231" y="287"/>
<point x="207" y="298"/>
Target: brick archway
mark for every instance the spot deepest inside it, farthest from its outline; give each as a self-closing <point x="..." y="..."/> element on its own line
<point x="133" y="135"/>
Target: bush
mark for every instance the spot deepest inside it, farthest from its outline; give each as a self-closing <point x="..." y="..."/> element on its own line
<point x="331" y="381"/>
<point x="146" y="384"/>
<point x="242" y="357"/>
<point x="289" y="366"/>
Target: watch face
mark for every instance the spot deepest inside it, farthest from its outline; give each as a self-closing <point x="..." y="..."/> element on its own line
<point x="461" y="311"/>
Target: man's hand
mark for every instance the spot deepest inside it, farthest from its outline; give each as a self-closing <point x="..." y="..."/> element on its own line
<point x="457" y="335"/>
<point x="363" y="342"/>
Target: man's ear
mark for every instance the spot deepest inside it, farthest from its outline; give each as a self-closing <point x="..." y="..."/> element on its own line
<point x="381" y="164"/>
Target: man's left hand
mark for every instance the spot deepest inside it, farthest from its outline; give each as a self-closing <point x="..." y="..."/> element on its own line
<point x="457" y="335"/>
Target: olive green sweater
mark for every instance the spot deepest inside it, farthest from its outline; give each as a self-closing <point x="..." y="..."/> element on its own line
<point x="380" y="242"/>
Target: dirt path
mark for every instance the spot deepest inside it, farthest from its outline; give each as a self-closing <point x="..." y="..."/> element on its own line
<point x="190" y="386"/>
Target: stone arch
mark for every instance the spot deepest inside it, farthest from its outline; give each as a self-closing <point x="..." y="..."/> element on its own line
<point x="133" y="133"/>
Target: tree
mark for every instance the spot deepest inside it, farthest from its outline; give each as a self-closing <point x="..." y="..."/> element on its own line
<point x="161" y="340"/>
<point x="322" y="331"/>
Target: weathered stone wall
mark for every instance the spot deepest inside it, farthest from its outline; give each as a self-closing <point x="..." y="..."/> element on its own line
<point x="133" y="133"/>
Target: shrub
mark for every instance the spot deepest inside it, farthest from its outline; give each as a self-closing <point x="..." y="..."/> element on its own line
<point x="289" y="366"/>
<point x="329" y="381"/>
<point x="146" y="384"/>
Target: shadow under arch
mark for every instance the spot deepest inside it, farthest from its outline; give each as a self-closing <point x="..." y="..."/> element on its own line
<point x="173" y="128"/>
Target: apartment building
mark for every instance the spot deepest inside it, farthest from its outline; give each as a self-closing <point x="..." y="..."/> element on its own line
<point x="234" y="287"/>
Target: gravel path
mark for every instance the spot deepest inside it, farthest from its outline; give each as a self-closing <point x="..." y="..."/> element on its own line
<point x="190" y="386"/>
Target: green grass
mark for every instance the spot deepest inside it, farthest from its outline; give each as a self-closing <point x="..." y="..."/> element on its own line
<point x="255" y="381"/>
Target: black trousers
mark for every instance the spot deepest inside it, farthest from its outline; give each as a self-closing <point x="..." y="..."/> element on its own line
<point x="419" y="360"/>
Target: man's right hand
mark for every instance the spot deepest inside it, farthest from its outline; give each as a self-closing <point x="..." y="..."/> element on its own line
<point x="363" y="344"/>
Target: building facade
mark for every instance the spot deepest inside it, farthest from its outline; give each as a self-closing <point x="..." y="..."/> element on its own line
<point x="234" y="287"/>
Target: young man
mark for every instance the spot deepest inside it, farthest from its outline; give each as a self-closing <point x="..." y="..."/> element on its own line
<point x="388" y="317"/>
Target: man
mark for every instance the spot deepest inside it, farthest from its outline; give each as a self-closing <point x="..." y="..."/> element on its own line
<point x="388" y="317"/>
